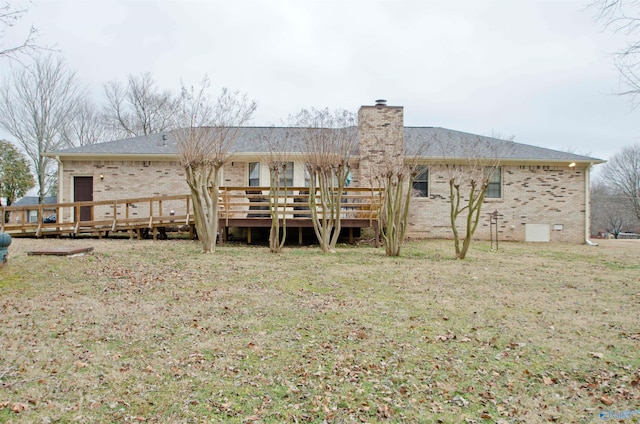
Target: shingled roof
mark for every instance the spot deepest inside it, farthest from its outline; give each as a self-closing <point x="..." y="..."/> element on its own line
<point x="428" y="142"/>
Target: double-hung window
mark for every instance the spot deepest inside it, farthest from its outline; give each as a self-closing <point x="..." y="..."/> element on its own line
<point x="421" y="182"/>
<point x="494" y="189"/>
<point x="254" y="174"/>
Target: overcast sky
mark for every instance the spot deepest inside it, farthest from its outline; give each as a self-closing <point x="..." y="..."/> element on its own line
<point x="537" y="70"/>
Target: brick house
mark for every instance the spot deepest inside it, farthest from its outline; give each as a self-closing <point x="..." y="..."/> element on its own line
<point x="540" y="194"/>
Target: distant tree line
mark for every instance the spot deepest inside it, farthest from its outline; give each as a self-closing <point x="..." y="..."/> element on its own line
<point x="615" y="194"/>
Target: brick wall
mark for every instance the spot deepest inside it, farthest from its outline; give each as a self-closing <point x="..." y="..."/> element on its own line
<point x="235" y="174"/>
<point x="380" y="140"/>
<point x="530" y="195"/>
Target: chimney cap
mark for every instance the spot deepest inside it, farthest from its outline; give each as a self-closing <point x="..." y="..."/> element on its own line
<point x="381" y="102"/>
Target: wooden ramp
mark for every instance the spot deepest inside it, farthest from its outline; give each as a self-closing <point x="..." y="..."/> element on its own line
<point x="248" y="207"/>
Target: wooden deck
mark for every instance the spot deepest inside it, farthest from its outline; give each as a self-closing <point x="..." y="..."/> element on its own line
<point x="241" y="207"/>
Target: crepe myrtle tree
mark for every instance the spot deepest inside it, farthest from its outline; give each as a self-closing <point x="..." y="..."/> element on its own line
<point x="278" y="162"/>
<point x="206" y="131"/>
<point x="469" y="180"/>
<point x="329" y="141"/>
<point x="395" y="191"/>
<point x="394" y="179"/>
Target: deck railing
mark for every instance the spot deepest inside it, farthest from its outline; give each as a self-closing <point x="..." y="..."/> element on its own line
<point x="256" y="202"/>
<point x="236" y="204"/>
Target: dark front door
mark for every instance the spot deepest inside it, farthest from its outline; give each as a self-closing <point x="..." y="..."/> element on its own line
<point x="83" y="191"/>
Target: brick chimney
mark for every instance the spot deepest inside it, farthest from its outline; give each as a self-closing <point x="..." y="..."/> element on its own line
<point x="380" y="139"/>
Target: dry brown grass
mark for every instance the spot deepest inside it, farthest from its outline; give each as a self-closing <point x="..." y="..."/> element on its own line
<point x="158" y="332"/>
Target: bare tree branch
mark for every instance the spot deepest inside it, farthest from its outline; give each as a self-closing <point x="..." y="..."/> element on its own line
<point x="330" y="140"/>
<point x="36" y="104"/>
<point x="206" y="131"/>
<point x="140" y="108"/>
<point x="277" y="159"/>
<point x="468" y="183"/>
<point x="622" y="174"/>
<point x="623" y="16"/>
<point x="9" y="16"/>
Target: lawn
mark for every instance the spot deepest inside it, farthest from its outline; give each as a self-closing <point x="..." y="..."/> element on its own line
<point x="143" y="331"/>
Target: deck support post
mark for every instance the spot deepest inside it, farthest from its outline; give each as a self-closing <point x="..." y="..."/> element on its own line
<point x="222" y="234"/>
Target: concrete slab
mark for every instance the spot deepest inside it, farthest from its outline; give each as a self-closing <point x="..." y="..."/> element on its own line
<point x="61" y="251"/>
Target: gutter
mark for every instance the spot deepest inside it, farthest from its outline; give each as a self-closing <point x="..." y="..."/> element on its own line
<point x="587" y="208"/>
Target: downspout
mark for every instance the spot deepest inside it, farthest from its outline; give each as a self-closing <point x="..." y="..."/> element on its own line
<point x="59" y="216"/>
<point x="587" y="206"/>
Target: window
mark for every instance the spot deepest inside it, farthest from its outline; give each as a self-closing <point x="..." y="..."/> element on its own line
<point x="307" y="176"/>
<point x="254" y="174"/>
<point x="32" y="216"/>
<point x="494" y="190"/>
<point x="288" y="173"/>
<point x="421" y="182"/>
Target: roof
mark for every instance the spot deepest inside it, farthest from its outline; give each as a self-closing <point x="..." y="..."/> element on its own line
<point x="434" y="142"/>
<point x="33" y="201"/>
<point x="427" y="142"/>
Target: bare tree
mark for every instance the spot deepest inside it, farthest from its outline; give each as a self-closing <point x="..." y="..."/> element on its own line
<point x="623" y="16"/>
<point x="35" y="106"/>
<point x="277" y="159"/>
<point x="469" y="180"/>
<point x="395" y="183"/>
<point x="605" y="209"/>
<point x="9" y="16"/>
<point x="396" y="186"/>
<point x="140" y="107"/>
<point x="622" y="175"/>
<point x="330" y="139"/>
<point x="206" y="131"/>
<point x="86" y="124"/>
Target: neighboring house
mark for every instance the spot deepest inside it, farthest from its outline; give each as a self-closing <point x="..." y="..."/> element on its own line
<point x="540" y="194"/>
<point x="31" y="214"/>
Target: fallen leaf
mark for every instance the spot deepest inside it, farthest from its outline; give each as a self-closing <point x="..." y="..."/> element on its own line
<point x="606" y="400"/>
<point x="18" y="407"/>
<point x="548" y="381"/>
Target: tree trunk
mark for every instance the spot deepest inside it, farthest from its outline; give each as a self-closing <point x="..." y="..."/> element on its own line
<point x="205" y="209"/>
<point x="474" y="207"/>
<point x="395" y="211"/>
<point x="276" y="238"/>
